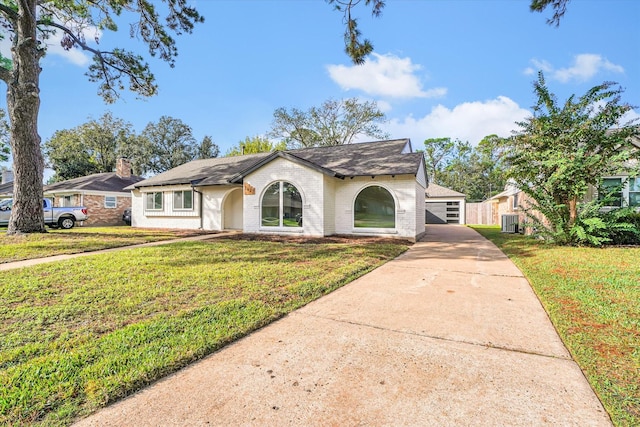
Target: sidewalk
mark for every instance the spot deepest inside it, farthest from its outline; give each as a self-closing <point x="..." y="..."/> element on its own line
<point x="449" y="333"/>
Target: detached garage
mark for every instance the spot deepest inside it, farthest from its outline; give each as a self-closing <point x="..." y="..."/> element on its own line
<point x="443" y="205"/>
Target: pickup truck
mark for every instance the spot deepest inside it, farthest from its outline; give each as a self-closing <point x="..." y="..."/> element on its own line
<point x="65" y="217"/>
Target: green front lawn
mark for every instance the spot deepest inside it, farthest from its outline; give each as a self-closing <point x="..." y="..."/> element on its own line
<point x="80" y="239"/>
<point x="592" y="296"/>
<point x="79" y="334"/>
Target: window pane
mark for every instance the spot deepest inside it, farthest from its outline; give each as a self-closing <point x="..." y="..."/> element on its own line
<point x="149" y="201"/>
<point x="110" y="202"/>
<point x="188" y="200"/>
<point x="607" y="190"/>
<point x="157" y="201"/>
<point x="271" y="206"/>
<point x="292" y="206"/>
<point x="634" y="192"/>
<point x="374" y="208"/>
<point x="177" y="199"/>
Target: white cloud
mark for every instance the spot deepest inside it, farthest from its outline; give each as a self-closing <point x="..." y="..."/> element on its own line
<point x="470" y="121"/>
<point x="75" y="56"/>
<point x="630" y="116"/>
<point x="585" y="66"/>
<point x="384" y="75"/>
<point x="383" y="106"/>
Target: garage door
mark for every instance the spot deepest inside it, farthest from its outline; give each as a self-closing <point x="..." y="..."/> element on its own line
<point x="443" y="212"/>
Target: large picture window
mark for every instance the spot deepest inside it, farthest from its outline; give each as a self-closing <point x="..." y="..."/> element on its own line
<point x="281" y="206"/>
<point x="153" y="201"/>
<point x="374" y="208"/>
<point x="183" y="200"/>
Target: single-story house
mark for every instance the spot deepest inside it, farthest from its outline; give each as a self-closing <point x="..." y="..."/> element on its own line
<point x="103" y="194"/>
<point x="508" y="201"/>
<point x="374" y="188"/>
<point x="507" y="208"/>
<point x="444" y="205"/>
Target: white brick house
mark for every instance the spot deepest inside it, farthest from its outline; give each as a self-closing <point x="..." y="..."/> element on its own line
<point x="374" y="188"/>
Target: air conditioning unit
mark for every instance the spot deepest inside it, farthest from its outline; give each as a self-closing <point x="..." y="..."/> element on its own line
<point x="509" y="223"/>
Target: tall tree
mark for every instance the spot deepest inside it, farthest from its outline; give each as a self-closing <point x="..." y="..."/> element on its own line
<point x="68" y="156"/>
<point x="171" y="144"/>
<point x="92" y="147"/>
<point x="28" y="23"/>
<point x="256" y="144"/>
<point x="479" y="172"/>
<point x="333" y="123"/>
<point x="437" y="154"/>
<point x="563" y="149"/>
<point x="358" y="48"/>
<point x="457" y="172"/>
<point x="490" y="171"/>
<point x="207" y="149"/>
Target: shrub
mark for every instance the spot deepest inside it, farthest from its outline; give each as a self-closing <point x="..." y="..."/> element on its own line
<point x="624" y="226"/>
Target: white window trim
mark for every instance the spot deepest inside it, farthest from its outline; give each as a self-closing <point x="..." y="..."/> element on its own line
<point x="115" y="202"/>
<point x="628" y="186"/>
<point x="624" y="191"/>
<point x="281" y="227"/>
<point x="183" y="209"/>
<point x="146" y="207"/>
<point x="372" y="230"/>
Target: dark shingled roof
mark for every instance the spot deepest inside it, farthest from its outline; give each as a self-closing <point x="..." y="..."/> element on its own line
<point x="392" y="157"/>
<point x="434" y="191"/>
<point x="216" y="171"/>
<point x="107" y="181"/>
<point x="371" y="158"/>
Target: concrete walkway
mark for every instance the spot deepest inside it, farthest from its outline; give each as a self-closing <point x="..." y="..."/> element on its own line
<point x="448" y="334"/>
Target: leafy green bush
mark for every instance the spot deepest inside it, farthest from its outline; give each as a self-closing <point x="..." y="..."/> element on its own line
<point x="625" y="226"/>
<point x="593" y="226"/>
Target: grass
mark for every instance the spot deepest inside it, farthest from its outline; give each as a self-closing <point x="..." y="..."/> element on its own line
<point x="592" y="296"/>
<point x="79" y="239"/>
<point x="79" y="334"/>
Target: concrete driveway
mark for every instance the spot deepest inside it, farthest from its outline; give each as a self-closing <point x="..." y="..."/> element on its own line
<point x="449" y="333"/>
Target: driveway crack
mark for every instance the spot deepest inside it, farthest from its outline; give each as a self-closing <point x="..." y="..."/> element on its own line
<point x="436" y="337"/>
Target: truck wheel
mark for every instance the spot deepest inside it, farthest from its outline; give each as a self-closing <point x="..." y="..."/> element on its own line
<point x="66" y="223"/>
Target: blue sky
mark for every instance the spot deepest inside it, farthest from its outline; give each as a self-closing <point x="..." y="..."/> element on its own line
<point x="441" y="68"/>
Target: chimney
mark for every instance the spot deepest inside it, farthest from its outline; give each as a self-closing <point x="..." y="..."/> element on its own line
<point x="123" y="168"/>
<point x="7" y="176"/>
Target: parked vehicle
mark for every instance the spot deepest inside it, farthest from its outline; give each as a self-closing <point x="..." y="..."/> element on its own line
<point x="126" y="216"/>
<point x="63" y="217"/>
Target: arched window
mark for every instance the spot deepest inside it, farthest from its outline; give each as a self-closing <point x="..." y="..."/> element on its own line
<point x="281" y="206"/>
<point x="374" y="208"/>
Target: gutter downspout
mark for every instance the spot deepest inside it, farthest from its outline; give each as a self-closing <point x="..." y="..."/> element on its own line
<point x="200" y="204"/>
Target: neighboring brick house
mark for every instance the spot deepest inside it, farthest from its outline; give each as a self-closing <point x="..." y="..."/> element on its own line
<point x="102" y="194"/>
<point x="374" y="188"/>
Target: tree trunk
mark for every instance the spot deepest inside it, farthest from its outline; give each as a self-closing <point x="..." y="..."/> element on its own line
<point x="23" y="103"/>
<point x="573" y="211"/>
